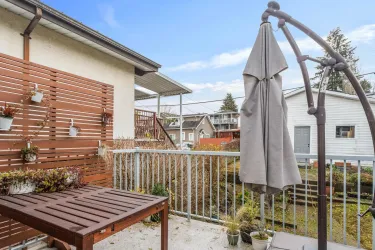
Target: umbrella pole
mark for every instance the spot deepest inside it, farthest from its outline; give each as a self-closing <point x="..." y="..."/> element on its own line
<point x="341" y="65"/>
<point x="322" y="196"/>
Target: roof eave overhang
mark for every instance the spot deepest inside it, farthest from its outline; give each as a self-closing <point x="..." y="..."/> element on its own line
<point x="81" y="30"/>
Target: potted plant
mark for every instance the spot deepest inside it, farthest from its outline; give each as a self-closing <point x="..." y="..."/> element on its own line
<point x="7" y="114"/>
<point x="159" y="190"/>
<point x="74" y="130"/>
<point x="102" y="150"/>
<point x="337" y="177"/>
<point x="17" y="182"/>
<point x="233" y="232"/>
<point x="36" y="96"/>
<point x="246" y="215"/>
<point x="259" y="238"/>
<point x="107" y="118"/>
<point x="29" y="153"/>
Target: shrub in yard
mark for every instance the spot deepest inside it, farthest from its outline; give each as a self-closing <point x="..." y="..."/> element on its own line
<point x="366" y="179"/>
<point x="337" y="177"/>
<point x="233" y="146"/>
<point x="158" y="190"/>
<point x="367" y="170"/>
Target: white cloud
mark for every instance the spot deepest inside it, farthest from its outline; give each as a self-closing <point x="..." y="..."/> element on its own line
<point x="235" y="86"/>
<point x="364" y="34"/>
<point x="107" y="14"/>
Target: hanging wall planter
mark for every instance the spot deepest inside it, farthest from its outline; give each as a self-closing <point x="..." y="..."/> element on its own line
<point x="7" y="114"/>
<point x="36" y="95"/>
<point x="29" y="153"/>
<point x="102" y="149"/>
<point x="107" y="118"/>
<point x="73" y="130"/>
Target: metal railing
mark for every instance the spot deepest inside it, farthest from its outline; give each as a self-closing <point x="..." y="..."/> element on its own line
<point x="205" y="185"/>
<point x="225" y="121"/>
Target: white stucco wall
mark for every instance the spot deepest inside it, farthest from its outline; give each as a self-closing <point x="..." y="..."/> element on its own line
<point x="55" y="50"/>
<point x="340" y="112"/>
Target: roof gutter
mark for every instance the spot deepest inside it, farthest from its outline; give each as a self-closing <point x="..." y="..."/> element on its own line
<point x="26" y="34"/>
<point x="65" y="22"/>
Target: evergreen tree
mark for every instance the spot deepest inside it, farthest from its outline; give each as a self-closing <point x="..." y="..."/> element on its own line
<point x="229" y="104"/>
<point x="337" y="80"/>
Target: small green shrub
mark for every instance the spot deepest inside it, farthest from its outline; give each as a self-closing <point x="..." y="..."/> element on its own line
<point x="366" y="179"/>
<point x="159" y="190"/>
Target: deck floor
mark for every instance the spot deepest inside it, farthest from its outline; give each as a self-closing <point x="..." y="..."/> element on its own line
<point x="183" y="235"/>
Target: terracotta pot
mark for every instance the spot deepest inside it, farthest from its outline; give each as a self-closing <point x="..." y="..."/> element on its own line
<point x="5" y="123"/>
<point x="328" y="190"/>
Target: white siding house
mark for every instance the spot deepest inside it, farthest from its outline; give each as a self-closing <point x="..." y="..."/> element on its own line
<point x="347" y="130"/>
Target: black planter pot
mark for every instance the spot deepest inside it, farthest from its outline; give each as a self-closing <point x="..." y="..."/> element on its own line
<point x="233" y="238"/>
<point x="245" y="237"/>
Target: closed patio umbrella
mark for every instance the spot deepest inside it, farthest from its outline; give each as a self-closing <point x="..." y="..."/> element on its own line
<point x="268" y="163"/>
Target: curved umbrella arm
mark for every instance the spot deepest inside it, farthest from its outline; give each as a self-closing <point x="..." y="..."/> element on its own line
<point x="341" y="64"/>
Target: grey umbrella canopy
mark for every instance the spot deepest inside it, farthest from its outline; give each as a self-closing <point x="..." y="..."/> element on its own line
<point x="268" y="163"/>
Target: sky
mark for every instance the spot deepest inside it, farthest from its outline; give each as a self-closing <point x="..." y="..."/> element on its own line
<point x="204" y="44"/>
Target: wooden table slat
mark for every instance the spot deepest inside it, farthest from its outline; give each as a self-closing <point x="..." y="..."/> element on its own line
<point x="98" y="206"/>
<point x="78" y="213"/>
<point x="131" y="196"/>
<point x="109" y="196"/>
<point x="106" y="201"/>
<point x="66" y="217"/>
<point x="87" y="210"/>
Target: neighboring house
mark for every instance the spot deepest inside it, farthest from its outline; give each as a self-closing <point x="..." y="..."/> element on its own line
<point x="225" y="120"/>
<point x="347" y="130"/>
<point x="194" y="127"/>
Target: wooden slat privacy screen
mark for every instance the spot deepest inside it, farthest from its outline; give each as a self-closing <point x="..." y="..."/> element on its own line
<point x="71" y="97"/>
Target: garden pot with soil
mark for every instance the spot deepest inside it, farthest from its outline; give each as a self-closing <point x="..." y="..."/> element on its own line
<point x="259" y="240"/>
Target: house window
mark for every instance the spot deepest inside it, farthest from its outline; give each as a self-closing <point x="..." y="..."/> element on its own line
<point x="173" y="136"/>
<point x="183" y="135"/>
<point x="191" y="136"/>
<point x="345" y="131"/>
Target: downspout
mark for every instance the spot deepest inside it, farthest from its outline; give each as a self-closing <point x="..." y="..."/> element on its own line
<point x="26" y="34"/>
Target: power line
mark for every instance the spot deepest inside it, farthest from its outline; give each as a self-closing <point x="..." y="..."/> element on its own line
<point x="210" y="101"/>
<point x="200" y="104"/>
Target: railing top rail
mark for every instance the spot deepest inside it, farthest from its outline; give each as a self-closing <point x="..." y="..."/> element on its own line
<point x="235" y="154"/>
<point x="183" y="152"/>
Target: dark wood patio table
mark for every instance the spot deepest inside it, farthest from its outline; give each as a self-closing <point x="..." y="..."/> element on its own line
<point x="85" y="216"/>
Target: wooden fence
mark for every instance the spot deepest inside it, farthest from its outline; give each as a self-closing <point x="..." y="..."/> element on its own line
<point x="70" y="97"/>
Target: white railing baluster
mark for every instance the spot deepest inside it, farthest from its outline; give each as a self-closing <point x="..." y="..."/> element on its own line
<point x="120" y="171"/>
<point x="196" y="184"/>
<point x="218" y="188"/>
<point x="131" y="171"/>
<point x="330" y="201"/>
<point x="182" y="183"/>
<point x="175" y="182"/>
<point x="226" y="186"/>
<point x="283" y="210"/>
<point x="306" y="182"/>
<point x="359" y="205"/>
<point x="234" y="186"/>
<point x="210" y="187"/>
<point x="189" y="186"/>
<point x="203" y="187"/>
<point x="164" y="170"/>
<point x="114" y="170"/>
<point x="344" y="212"/>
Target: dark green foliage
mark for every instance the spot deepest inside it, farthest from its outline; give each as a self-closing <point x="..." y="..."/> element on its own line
<point x="159" y="190"/>
<point x="229" y="104"/>
<point x="337" y="80"/>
